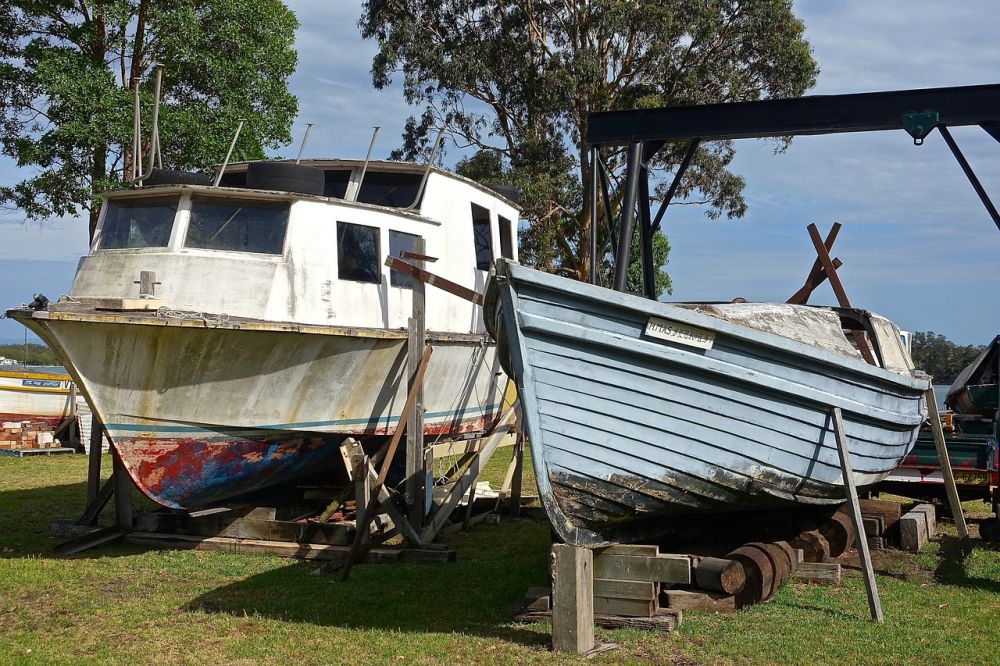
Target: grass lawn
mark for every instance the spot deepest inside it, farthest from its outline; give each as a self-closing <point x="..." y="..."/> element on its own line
<point x="128" y="604"/>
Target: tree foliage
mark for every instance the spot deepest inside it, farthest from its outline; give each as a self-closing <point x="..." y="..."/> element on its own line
<point x="514" y="80"/>
<point x="66" y="72"/>
<point x="939" y="357"/>
<point x="30" y="354"/>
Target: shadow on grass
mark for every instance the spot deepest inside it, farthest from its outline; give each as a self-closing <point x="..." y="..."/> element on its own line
<point x="26" y="514"/>
<point x="952" y="569"/>
<point x="477" y="594"/>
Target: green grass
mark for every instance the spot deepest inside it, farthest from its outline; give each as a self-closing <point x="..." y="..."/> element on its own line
<point x="127" y="604"/>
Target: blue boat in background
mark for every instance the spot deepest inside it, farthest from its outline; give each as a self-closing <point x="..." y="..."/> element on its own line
<point x="640" y="413"/>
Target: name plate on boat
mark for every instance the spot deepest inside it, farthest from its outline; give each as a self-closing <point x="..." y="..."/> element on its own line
<point x="673" y="331"/>
<point x="41" y="383"/>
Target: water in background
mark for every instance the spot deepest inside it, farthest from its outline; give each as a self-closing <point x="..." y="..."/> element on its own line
<point x="940" y="390"/>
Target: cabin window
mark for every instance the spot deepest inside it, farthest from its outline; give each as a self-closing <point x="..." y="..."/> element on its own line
<point x="506" y="237"/>
<point x="131" y="223"/>
<point x="387" y="188"/>
<point x="237" y="225"/>
<point x="336" y="181"/>
<point x="358" y="253"/>
<point x="401" y="242"/>
<point x="482" y="237"/>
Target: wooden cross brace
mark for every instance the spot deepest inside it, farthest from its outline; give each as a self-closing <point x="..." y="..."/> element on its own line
<point x="838" y="289"/>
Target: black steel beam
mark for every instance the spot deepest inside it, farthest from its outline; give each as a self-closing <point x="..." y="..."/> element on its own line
<point x="818" y="114"/>
<point x="971" y="175"/>
<point x="633" y="172"/>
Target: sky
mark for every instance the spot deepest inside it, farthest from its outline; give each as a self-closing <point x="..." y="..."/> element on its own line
<point x="917" y="245"/>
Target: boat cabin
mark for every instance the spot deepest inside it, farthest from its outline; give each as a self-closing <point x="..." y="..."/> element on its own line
<point x="250" y="248"/>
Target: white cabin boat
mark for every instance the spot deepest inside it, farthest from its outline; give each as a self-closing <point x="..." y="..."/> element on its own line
<point x="230" y="337"/>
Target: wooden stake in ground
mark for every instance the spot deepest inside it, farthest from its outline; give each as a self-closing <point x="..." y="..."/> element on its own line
<point x="572" y="599"/>
<point x="416" y="469"/>
<point x="874" y="603"/>
<point x="946" y="473"/>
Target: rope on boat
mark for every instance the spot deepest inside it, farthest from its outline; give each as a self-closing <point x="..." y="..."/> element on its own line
<point x="218" y="320"/>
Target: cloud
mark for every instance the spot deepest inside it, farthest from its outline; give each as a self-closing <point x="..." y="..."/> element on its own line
<point x="917" y="244"/>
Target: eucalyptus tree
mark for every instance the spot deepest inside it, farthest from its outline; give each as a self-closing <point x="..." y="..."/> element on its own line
<point x="514" y="81"/>
<point x="67" y="68"/>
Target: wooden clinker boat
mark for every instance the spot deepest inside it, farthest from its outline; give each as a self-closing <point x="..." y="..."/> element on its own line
<point x="642" y="413"/>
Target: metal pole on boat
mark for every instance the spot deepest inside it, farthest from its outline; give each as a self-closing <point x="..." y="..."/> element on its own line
<point x="136" y="133"/>
<point x="368" y="158"/>
<point x="593" y="216"/>
<point x="302" y="146"/>
<point x="229" y="153"/>
<point x="646" y="237"/>
<point x="154" y="131"/>
<point x="427" y="171"/>
<point x="628" y="216"/>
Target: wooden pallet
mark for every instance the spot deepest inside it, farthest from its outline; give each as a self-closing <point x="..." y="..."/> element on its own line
<point x="23" y="453"/>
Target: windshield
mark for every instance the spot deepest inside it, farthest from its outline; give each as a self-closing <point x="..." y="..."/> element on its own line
<point x="238" y="225"/>
<point x="138" y="222"/>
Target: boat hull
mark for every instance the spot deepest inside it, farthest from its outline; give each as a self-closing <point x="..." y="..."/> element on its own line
<point x="202" y="413"/>
<point x="629" y="431"/>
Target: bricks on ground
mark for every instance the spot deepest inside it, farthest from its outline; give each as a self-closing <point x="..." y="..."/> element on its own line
<point x="27" y="435"/>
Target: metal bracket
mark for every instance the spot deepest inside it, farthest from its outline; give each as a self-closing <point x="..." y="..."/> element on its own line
<point x="919" y="125"/>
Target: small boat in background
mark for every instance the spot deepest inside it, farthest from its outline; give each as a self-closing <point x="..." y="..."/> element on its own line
<point x="45" y="397"/>
<point x="971" y="427"/>
<point x="976" y="390"/>
<point x="640" y="412"/>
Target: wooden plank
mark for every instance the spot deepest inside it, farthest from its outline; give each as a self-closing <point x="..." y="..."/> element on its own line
<point x="131" y="304"/>
<point x="629" y="549"/>
<point x="378" y="487"/>
<point x="96" y="505"/>
<point x="947" y="474"/>
<point x="659" y="568"/>
<point x="874" y="603"/>
<point x="874" y="525"/>
<point x="838" y="289"/>
<point x="930" y="514"/>
<point x="817" y="273"/>
<point x="913" y="531"/>
<point x="94" y="458"/>
<point x="625" y="607"/>
<point x="624" y="589"/>
<point x="889" y="512"/>
<point x="233" y="524"/>
<point x="465" y="446"/>
<point x="308" y="551"/>
<point x="416" y="471"/>
<point x="537" y="599"/>
<point x="665" y="619"/>
<point x="441" y="283"/>
<point x="518" y="479"/>
<point x="123" y="494"/>
<point x="699" y="600"/>
<point x="572" y="599"/>
<point x="818" y="572"/>
<point x="458" y="491"/>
